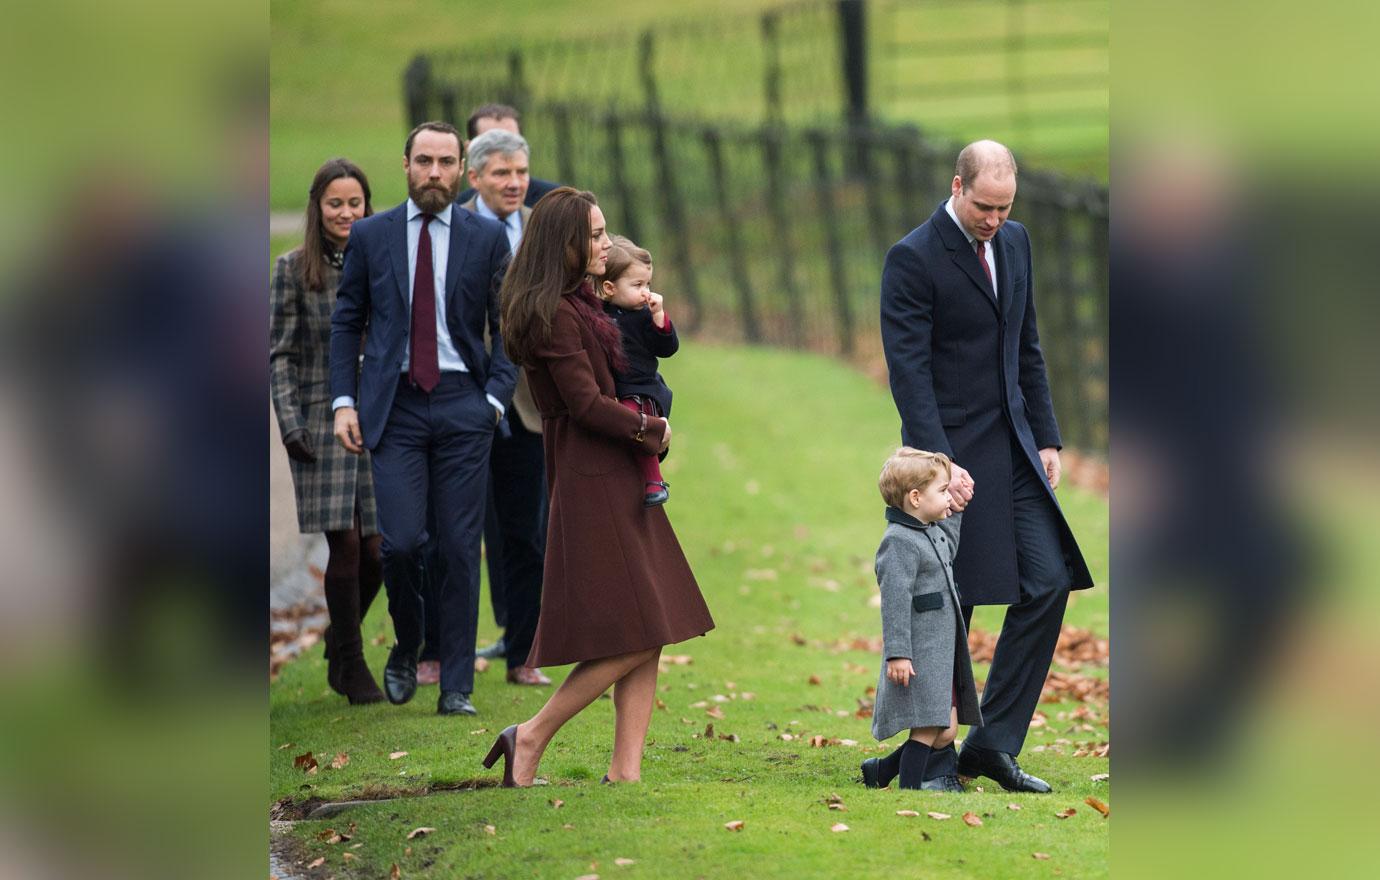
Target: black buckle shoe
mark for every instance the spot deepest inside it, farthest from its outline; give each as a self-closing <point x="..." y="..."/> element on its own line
<point x="943" y="783"/>
<point x="494" y="651"/>
<point x="455" y="703"/>
<point x="871" y="773"/>
<point x="1000" y="767"/>
<point x="400" y="676"/>
<point x="656" y="497"/>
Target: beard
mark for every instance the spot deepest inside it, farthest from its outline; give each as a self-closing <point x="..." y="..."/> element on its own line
<point x="433" y="198"/>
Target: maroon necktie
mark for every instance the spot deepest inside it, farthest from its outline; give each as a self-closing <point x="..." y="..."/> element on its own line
<point x="426" y="371"/>
<point x="986" y="269"/>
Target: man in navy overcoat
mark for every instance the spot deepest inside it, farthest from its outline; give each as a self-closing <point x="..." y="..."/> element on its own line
<point x="968" y="377"/>
<point x="420" y="287"/>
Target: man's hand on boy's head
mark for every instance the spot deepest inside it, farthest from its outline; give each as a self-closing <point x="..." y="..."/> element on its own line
<point x="900" y="671"/>
<point x="960" y="487"/>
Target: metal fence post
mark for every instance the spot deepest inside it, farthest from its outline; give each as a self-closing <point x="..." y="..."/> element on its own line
<point x="853" y="54"/>
<point x="733" y="236"/>
<point x="781" y="227"/>
<point x="613" y="123"/>
<point x="827" y="210"/>
<point x="417" y="89"/>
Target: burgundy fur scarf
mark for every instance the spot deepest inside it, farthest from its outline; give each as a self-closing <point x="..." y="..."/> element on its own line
<point x="605" y="329"/>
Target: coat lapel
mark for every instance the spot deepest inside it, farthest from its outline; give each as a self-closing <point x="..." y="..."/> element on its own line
<point x="459" y="244"/>
<point x="397" y="251"/>
<point x="1006" y="259"/>
<point x="962" y="253"/>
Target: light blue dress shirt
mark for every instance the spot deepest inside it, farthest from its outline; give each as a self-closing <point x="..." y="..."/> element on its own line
<point x="512" y="224"/>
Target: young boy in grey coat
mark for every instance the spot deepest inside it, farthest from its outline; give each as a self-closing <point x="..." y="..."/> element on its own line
<point x="926" y="684"/>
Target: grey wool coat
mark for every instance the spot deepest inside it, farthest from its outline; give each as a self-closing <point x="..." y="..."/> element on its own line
<point x="339" y="483"/>
<point x="921" y="620"/>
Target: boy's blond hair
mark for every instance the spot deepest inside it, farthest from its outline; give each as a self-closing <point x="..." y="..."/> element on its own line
<point x="910" y="468"/>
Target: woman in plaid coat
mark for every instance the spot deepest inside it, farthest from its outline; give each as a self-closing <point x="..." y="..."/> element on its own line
<point x="335" y="493"/>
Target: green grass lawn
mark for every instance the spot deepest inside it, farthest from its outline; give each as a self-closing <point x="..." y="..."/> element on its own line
<point x="779" y="515"/>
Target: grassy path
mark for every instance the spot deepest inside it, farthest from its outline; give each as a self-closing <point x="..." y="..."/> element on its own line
<point x="779" y="515"/>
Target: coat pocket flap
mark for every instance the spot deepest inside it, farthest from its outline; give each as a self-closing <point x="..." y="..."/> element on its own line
<point x="952" y="416"/>
<point x="928" y="601"/>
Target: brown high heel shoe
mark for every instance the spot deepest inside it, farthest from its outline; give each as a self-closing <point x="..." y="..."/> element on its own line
<point x="505" y="745"/>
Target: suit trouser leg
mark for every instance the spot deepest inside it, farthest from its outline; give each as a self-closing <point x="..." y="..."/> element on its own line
<point x="1031" y="628"/>
<point x="493" y="544"/>
<point x="463" y="428"/>
<point x="401" y="479"/>
<point x="518" y="474"/>
<point x="431" y="584"/>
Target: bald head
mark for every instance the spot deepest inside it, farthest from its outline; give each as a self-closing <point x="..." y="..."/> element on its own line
<point x="984" y="158"/>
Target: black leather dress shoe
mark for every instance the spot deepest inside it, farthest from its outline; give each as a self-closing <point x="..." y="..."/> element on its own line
<point x="400" y="676"/>
<point x="491" y="652"/>
<point x="943" y="783"/>
<point x="871" y="771"/>
<point x="455" y="703"/>
<point x="1001" y="767"/>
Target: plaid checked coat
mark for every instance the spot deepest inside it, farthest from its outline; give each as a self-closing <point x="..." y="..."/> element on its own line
<point x="328" y="491"/>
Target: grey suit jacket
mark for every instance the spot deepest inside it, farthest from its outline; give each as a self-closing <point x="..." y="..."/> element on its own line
<point x="921" y="620"/>
<point x="522" y="395"/>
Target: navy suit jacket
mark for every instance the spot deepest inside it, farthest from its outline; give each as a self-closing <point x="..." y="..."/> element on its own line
<point x="967" y="372"/>
<point x="372" y="303"/>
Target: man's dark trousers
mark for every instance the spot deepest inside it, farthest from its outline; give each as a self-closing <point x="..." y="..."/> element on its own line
<point x="517" y="469"/>
<point x="1031" y="628"/>
<point x="434" y="451"/>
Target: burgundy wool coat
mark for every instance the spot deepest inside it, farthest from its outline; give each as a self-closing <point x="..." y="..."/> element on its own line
<point x="615" y="579"/>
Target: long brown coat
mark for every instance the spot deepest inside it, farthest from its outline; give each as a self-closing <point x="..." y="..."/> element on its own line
<point x="615" y="579"/>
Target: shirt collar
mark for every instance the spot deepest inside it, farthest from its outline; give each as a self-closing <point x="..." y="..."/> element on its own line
<point x="901" y="518"/>
<point x="482" y="208"/>
<point x="949" y="206"/>
<point x="414" y="210"/>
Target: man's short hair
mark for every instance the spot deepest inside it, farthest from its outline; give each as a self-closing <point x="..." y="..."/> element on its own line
<point x="495" y="142"/>
<point x="490" y="111"/>
<point x="433" y="125"/>
<point x="909" y="468"/>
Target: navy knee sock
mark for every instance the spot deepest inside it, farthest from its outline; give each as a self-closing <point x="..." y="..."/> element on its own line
<point x="913" y="761"/>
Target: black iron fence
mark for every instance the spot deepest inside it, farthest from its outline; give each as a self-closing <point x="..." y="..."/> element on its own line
<point x="768" y="231"/>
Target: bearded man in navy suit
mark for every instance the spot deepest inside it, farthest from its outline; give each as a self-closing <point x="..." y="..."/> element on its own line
<point x="420" y="288"/>
<point x="968" y="378"/>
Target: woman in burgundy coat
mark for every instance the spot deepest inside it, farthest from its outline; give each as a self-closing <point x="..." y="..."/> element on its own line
<point x="616" y="586"/>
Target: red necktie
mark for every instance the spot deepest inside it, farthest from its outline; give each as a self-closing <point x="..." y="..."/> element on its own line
<point x="426" y="371"/>
<point x="986" y="269"/>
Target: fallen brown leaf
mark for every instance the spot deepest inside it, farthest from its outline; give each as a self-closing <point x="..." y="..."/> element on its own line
<point x="1013" y="806"/>
<point x="395" y="874"/>
<point x="340" y="760"/>
<point x="940" y="816"/>
<point x="557" y="803"/>
<point x="715" y="712"/>
<point x="306" y="763"/>
<point x="349" y="856"/>
<point x="660" y="704"/>
<point x="317" y="863"/>
<point x="1064" y="814"/>
<point x="623" y="863"/>
<point x="1098" y="805"/>
<point x="393" y="756"/>
<point x="588" y="877"/>
<point x="418" y="832"/>
<point x="837" y="827"/>
<point x="814" y="679"/>
<point x="490" y="830"/>
<point x="735" y="825"/>
<point x="797" y="638"/>
<point x="911" y="813"/>
<point x="286" y="746"/>
<point x="839" y="807"/>
<point x="1100" y="777"/>
<point x="971" y="819"/>
<point x="481" y="664"/>
<point x="1041" y="856"/>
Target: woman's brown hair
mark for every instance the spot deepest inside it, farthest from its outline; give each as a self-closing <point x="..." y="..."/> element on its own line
<point x="312" y="264"/>
<point x="549" y="263"/>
